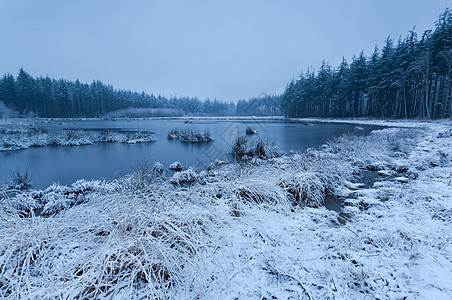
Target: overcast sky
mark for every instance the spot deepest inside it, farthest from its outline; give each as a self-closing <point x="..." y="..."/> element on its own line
<point x="227" y="50"/>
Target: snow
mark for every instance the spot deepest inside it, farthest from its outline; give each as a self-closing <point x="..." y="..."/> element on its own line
<point x="158" y="167"/>
<point x="176" y="166"/>
<point x="17" y="135"/>
<point x="188" y="176"/>
<point x="250" y="231"/>
<point x="401" y="179"/>
<point x="189" y="136"/>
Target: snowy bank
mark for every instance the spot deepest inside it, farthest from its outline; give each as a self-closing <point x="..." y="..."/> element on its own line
<point x="17" y="136"/>
<point x="251" y="231"/>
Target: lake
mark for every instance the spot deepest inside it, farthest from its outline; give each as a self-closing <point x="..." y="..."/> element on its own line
<point x="108" y="161"/>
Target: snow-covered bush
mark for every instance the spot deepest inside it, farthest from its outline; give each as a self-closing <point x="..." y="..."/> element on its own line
<point x="107" y="136"/>
<point x="304" y="188"/>
<point x="19" y="181"/>
<point x="158" y="168"/>
<point x="239" y="148"/>
<point x="259" y="189"/>
<point x="137" y="137"/>
<point x="176" y="166"/>
<point x="56" y="197"/>
<point x="189" y="136"/>
<point x="216" y="164"/>
<point x="188" y="176"/>
<point x="75" y="138"/>
<point x="260" y="149"/>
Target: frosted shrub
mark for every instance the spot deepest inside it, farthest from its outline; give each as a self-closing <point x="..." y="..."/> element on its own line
<point x="158" y="168"/>
<point x="75" y="138"/>
<point x="19" y="181"/>
<point x="239" y="147"/>
<point x="189" y="136"/>
<point x="262" y="149"/>
<point x="188" y="176"/>
<point x="259" y="149"/>
<point x="259" y="190"/>
<point x="56" y="197"/>
<point x="107" y="136"/>
<point x="137" y="137"/>
<point x="176" y="166"/>
<point x="304" y="188"/>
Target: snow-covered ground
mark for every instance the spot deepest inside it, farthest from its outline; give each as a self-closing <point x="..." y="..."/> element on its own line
<point x="252" y="231"/>
<point x="22" y="134"/>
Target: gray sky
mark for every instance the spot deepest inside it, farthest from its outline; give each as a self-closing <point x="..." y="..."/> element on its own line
<point x="224" y="49"/>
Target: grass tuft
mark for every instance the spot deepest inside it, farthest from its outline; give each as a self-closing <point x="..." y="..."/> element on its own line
<point x="19" y="181"/>
<point x="250" y="131"/>
<point x="189" y="136"/>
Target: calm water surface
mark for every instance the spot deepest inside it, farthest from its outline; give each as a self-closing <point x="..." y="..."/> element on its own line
<point x="107" y="161"/>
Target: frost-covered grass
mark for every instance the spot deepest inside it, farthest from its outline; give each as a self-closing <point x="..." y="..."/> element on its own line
<point x="17" y="136"/>
<point x="246" y="231"/>
<point x="19" y="181"/>
<point x="188" y="176"/>
<point x="176" y="166"/>
<point x="189" y="136"/>
<point x="259" y="149"/>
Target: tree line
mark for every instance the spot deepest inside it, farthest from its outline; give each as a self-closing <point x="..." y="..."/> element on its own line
<point x="264" y="105"/>
<point x="46" y="97"/>
<point x="409" y="79"/>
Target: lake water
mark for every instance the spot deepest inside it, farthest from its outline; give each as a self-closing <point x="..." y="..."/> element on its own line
<point x="107" y="161"/>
